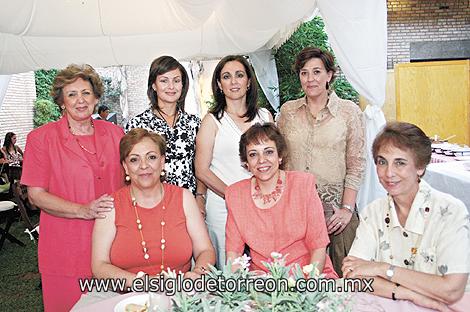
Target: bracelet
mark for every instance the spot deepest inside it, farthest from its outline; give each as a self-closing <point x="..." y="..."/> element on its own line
<point x="394" y="290"/>
<point x="202" y="268"/>
<point x="202" y="195"/>
<point x="348" y="207"/>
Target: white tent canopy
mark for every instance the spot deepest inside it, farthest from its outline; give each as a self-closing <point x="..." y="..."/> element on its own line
<point x="53" y="33"/>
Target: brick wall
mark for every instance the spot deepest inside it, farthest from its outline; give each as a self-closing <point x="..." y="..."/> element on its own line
<point x="417" y="20"/>
<point x="137" y="89"/>
<point x="16" y="113"/>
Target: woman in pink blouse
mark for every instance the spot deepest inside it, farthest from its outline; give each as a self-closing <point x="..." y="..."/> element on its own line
<point x="268" y="212"/>
<point x="325" y="137"/>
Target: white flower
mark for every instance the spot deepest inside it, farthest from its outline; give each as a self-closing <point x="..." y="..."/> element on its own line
<point x="243" y="261"/>
<point x="307" y="268"/>
<point x="316" y="272"/>
<point x="276" y="255"/>
<point x="322" y="306"/>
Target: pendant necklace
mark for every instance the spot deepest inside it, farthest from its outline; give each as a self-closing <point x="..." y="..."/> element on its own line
<point x="78" y="141"/>
<point x="175" y="115"/>
<point x="145" y="249"/>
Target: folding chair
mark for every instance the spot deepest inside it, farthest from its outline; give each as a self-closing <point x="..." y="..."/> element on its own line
<point x="20" y="194"/>
<point x="8" y="210"/>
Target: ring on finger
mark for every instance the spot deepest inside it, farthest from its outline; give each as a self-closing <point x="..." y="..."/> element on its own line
<point x="340" y="223"/>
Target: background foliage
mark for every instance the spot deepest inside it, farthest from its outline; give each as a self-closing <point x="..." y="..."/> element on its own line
<point x="308" y="34"/>
<point x="44" y="80"/>
<point x="45" y="110"/>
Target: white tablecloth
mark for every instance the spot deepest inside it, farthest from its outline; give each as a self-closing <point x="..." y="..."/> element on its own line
<point x="452" y="178"/>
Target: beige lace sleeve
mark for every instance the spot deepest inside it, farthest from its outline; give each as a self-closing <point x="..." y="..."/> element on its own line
<point x="355" y="150"/>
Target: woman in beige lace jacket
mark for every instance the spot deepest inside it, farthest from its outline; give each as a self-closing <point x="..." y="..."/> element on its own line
<point x="326" y="137"/>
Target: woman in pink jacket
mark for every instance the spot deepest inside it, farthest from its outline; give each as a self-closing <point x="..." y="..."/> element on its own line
<point x="70" y="166"/>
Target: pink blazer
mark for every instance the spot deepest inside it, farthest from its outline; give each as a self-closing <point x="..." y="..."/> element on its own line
<point x="54" y="161"/>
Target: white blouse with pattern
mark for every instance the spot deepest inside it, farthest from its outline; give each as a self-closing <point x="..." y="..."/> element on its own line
<point x="438" y="225"/>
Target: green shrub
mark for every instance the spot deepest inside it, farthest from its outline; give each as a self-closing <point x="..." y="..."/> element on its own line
<point x="44" y="80"/>
<point x="44" y="108"/>
<point x="45" y="111"/>
<point x="308" y="34"/>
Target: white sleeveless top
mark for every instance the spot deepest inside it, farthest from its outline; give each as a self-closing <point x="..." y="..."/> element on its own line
<point x="226" y="163"/>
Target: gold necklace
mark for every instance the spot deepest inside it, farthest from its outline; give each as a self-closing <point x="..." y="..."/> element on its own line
<point x="78" y="141"/>
<point x="140" y="227"/>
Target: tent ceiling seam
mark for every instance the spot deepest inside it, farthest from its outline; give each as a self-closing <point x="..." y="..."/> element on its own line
<point x="101" y="18"/>
<point x="36" y="64"/>
<point x="31" y="16"/>
<point x="105" y="35"/>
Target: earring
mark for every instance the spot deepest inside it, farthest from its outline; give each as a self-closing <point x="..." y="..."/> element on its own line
<point x="248" y="87"/>
<point x="162" y="174"/>
<point x="327" y="85"/>
<point x="128" y="178"/>
<point x="63" y="107"/>
<point x="280" y="161"/>
<point x="221" y="91"/>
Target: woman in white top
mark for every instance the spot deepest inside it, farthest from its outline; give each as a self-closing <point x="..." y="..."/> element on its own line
<point x="414" y="243"/>
<point x="217" y="162"/>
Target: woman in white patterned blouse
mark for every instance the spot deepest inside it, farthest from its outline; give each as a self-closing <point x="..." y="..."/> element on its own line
<point x="415" y="242"/>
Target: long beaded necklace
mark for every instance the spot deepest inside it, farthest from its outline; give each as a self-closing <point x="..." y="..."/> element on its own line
<point x="416" y="244"/>
<point x="273" y="196"/>
<point x="140" y="227"/>
<point x="75" y="135"/>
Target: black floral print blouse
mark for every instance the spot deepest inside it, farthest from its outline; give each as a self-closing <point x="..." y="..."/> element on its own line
<point x="180" y="144"/>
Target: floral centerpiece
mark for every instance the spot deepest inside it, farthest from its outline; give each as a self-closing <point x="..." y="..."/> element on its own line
<point x="276" y="290"/>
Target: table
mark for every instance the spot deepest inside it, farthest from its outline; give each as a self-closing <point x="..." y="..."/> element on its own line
<point x="452" y="178"/>
<point x="440" y="158"/>
<point x="363" y="302"/>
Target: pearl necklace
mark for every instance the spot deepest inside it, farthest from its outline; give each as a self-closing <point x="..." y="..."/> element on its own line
<point x="273" y="196"/>
<point x="140" y="227"/>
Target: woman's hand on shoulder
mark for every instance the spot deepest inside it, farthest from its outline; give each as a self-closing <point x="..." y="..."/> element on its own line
<point x="97" y="208"/>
